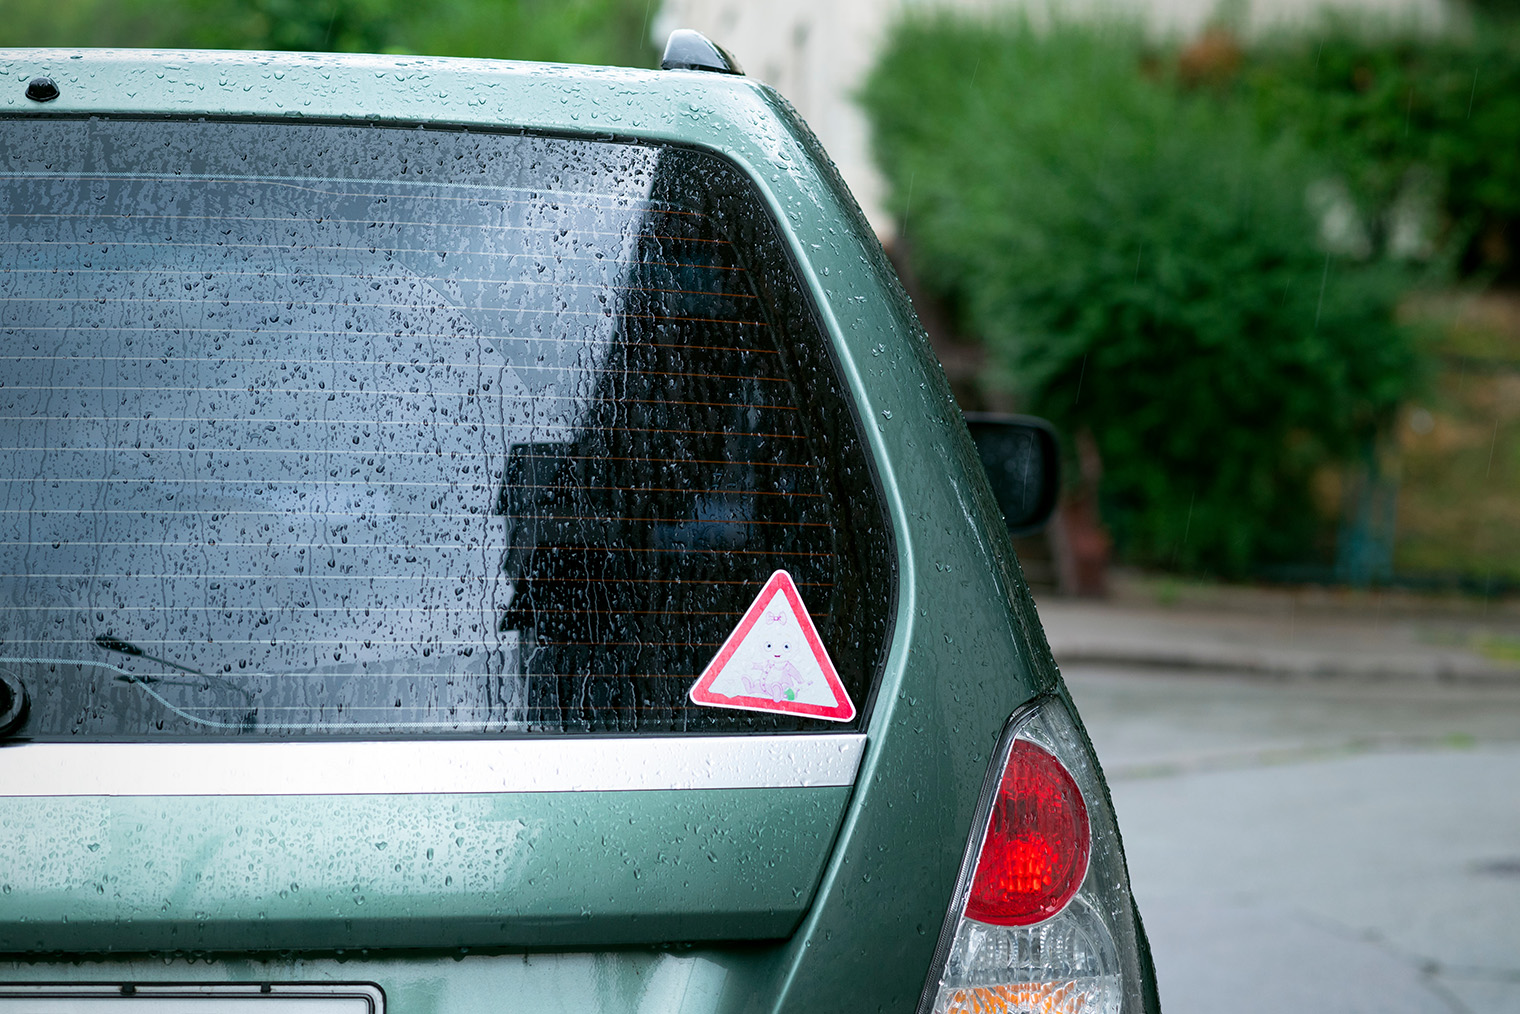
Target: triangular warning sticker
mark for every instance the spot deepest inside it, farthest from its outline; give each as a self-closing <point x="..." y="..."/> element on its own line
<point x="775" y="662"/>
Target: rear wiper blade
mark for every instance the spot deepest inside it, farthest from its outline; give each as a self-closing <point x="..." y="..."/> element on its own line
<point x="116" y="644"/>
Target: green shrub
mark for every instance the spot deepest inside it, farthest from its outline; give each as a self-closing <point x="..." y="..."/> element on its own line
<point x="573" y="31"/>
<point x="1391" y="111"/>
<point x="1144" y="264"/>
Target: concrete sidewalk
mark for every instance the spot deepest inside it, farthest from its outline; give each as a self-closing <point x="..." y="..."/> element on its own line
<point x="1288" y="634"/>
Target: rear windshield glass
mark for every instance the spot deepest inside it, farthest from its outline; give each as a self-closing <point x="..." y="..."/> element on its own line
<point x="319" y="429"/>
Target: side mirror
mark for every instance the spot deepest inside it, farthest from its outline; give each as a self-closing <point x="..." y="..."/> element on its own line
<point x="1023" y="463"/>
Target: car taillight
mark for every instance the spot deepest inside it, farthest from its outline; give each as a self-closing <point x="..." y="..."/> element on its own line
<point x="1041" y="919"/>
<point x="1034" y="854"/>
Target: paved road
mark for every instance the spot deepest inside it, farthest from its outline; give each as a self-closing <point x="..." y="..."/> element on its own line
<point x="1317" y="846"/>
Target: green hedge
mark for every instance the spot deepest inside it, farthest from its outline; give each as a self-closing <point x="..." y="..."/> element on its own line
<point x="1143" y="262"/>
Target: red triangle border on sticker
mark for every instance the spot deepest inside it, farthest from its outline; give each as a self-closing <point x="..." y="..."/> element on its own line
<point x="780" y="583"/>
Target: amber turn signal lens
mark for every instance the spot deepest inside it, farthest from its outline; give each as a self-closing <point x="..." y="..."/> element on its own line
<point x="1034" y="998"/>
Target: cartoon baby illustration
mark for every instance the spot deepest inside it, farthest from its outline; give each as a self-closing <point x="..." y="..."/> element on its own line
<point x="775" y="673"/>
<point x="774" y="661"/>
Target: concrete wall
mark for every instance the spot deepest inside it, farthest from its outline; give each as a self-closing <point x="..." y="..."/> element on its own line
<point x="817" y="52"/>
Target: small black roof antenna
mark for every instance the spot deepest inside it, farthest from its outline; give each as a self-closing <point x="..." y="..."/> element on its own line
<point x="690" y="50"/>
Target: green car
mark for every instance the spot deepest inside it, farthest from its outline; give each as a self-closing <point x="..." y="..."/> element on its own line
<point x="487" y="537"/>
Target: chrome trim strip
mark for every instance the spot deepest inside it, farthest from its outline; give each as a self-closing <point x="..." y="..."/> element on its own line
<point x="193" y="998"/>
<point x="429" y="766"/>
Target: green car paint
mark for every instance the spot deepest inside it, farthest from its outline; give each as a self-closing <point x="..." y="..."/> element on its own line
<point x="660" y="894"/>
<point x="236" y="873"/>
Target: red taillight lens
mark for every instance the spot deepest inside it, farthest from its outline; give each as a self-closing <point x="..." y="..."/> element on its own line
<point x="1041" y="918"/>
<point x="1035" y="854"/>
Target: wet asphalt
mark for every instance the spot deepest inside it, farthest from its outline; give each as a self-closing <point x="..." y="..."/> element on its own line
<point x="1317" y="845"/>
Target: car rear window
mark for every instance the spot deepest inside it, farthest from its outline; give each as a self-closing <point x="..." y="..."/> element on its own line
<point x="315" y="429"/>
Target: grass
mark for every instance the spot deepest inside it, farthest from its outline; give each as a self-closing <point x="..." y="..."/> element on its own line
<point x="1498" y="648"/>
<point x="1459" y="448"/>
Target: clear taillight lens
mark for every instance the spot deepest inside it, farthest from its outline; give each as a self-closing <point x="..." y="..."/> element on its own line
<point x="1041" y="919"/>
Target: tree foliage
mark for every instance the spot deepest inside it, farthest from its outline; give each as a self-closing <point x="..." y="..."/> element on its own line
<point x="1144" y="262"/>
<point x="569" y="31"/>
<point x="1395" y="113"/>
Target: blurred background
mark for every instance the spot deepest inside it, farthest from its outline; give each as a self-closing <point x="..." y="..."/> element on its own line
<point x="1259" y="262"/>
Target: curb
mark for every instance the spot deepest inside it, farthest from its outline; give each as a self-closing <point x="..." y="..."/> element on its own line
<point x="1293" y="665"/>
